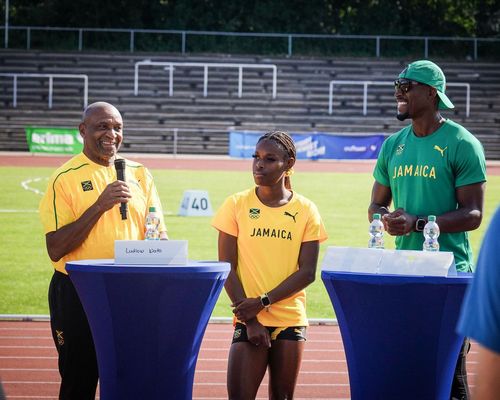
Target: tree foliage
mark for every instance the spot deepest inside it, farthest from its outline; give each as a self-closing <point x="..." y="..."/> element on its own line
<point x="479" y="18"/>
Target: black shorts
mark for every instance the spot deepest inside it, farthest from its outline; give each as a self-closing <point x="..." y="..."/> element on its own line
<point x="295" y="333"/>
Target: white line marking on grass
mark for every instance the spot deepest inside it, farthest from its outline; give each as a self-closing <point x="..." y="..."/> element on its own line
<point x="25" y="185"/>
<point x="17" y="211"/>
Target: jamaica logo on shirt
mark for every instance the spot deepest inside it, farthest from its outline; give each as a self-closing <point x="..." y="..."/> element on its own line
<point x="87" y="185"/>
<point x="400" y="149"/>
<point x="254" y="213"/>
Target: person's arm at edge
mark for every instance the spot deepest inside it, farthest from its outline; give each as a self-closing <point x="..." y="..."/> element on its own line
<point x="67" y="238"/>
<point x="228" y="252"/>
<point x="304" y="276"/>
<point x="380" y="201"/>
<point x="469" y="214"/>
<point x="466" y="217"/>
<point x="487" y="385"/>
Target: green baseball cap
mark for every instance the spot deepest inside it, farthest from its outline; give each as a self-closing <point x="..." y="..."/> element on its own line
<point x="425" y="71"/>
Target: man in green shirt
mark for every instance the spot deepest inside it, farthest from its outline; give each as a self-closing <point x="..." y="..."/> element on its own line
<point x="432" y="167"/>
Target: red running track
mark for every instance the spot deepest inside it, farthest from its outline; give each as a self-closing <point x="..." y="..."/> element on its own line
<point x="189" y="162"/>
<point x="207" y="163"/>
<point x="28" y="363"/>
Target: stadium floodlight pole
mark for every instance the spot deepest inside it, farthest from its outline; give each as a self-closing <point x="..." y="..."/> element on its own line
<point x="6" y="33"/>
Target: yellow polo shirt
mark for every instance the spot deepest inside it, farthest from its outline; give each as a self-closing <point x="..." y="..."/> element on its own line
<point x="269" y="241"/>
<point x="76" y="185"/>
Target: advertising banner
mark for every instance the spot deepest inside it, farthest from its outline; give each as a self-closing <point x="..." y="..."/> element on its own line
<point x="242" y="143"/>
<point x="351" y="147"/>
<point x="314" y="146"/>
<point x="54" y="140"/>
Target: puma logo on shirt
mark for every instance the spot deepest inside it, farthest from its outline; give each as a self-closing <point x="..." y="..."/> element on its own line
<point x="291" y="216"/>
<point x="436" y="147"/>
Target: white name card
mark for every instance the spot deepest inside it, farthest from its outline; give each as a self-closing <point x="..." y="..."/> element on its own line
<point x="393" y="262"/>
<point x="156" y="252"/>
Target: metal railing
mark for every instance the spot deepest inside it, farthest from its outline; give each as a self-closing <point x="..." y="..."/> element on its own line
<point x="288" y="37"/>
<point x="51" y="82"/>
<point x="386" y="83"/>
<point x="170" y="66"/>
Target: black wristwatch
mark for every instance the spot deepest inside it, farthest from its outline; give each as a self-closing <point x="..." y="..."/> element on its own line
<point x="419" y="225"/>
<point x="264" y="300"/>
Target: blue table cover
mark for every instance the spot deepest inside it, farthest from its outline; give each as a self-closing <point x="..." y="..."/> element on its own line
<point x="147" y="322"/>
<point x="398" y="332"/>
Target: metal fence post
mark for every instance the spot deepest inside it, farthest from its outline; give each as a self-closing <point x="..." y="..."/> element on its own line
<point x="136" y="79"/>
<point x="80" y="39"/>
<point x="426" y="48"/>
<point x="330" y="98"/>
<point x="132" y="41"/>
<point x="365" y="97"/>
<point x="51" y="81"/>
<point x="378" y="46"/>
<point x="175" y="142"/>
<point x="205" y="80"/>
<point x="275" y="74"/>
<point x="171" y="81"/>
<point x="467" y="101"/>
<point x="240" y="81"/>
<point x="85" y="91"/>
<point x="289" y="45"/>
<point x="6" y="33"/>
<point x="183" y="37"/>
<point x="14" y="92"/>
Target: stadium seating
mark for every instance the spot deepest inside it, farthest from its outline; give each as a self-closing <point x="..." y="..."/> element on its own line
<point x="201" y="123"/>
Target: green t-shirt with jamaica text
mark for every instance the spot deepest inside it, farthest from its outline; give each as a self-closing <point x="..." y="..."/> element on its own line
<point x="423" y="173"/>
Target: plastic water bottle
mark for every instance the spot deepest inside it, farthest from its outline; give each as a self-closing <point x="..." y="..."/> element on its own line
<point x="376" y="231"/>
<point x="431" y="234"/>
<point x="152" y="225"/>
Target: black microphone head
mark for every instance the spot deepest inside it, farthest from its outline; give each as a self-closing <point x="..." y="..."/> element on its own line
<point x="119" y="164"/>
<point x="120" y="175"/>
<point x="120" y="169"/>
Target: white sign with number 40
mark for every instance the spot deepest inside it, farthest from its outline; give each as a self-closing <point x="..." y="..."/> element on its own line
<point x="195" y="203"/>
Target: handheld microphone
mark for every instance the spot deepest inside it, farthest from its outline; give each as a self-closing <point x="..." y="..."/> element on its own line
<point x="120" y="174"/>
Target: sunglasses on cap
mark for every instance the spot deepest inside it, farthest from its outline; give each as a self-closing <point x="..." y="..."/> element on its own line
<point x="405" y="85"/>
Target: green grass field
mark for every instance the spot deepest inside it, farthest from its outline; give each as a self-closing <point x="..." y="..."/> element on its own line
<point x="25" y="269"/>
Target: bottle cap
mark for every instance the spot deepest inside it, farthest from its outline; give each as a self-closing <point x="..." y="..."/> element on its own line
<point x="376" y="216"/>
<point x="431" y="218"/>
<point x="152" y="209"/>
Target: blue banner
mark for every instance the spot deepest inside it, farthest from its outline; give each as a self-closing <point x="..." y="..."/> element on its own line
<point x="314" y="146"/>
